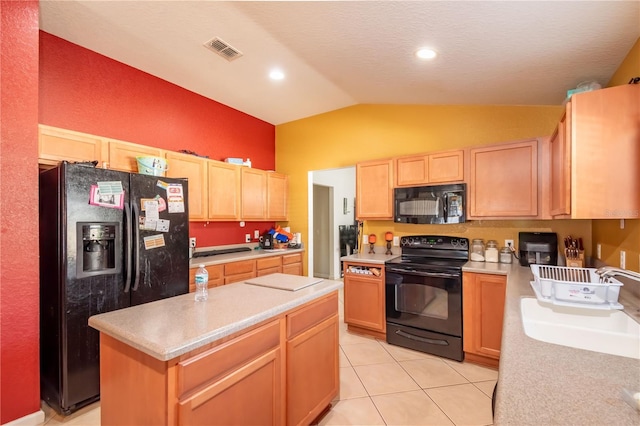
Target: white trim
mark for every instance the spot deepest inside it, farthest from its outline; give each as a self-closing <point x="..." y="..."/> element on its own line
<point x="32" y="419"/>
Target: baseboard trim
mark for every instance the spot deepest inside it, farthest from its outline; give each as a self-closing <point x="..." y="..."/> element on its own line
<point x="32" y="419"/>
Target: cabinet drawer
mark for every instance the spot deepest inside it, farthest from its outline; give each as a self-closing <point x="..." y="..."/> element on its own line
<point x="239" y="277"/>
<point x="215" y="273"/>
<point x="291" y="258"/>
<point x="269" y="262"/>
<point x="239" y="267"/>
<point x="221" y="360"/>
<point x="267" y="271"/>
<point x="310" y="315"/>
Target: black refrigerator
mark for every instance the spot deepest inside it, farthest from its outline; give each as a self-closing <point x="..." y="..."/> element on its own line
<point x="108" y="240"/>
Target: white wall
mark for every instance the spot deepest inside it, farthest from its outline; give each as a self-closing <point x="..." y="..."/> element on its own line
<point x="343" y="181"/>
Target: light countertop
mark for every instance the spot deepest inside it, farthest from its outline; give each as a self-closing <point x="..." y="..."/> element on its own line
<point x="171" y="327"/>
<point x="542" y="384"/>
<point x="244" y="255"/>
<point x="377" y="258"/>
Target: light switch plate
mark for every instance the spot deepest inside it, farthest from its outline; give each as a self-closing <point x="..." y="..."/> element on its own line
<point x="256" y="234"/>
<point x="623" y="259"/>
<point x="599" y="251"/>
<point x="396" y="241"/>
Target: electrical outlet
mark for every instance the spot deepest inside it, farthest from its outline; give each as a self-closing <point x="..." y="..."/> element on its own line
<point x="396" y="241"/>
<point x="623" y="259"/>
<point x="256" y="234"/>
<point x="365" y="239"/>
<point x="247" y="238"/>
<point x="509" y="243"/>
<point x="192" y="242"/>
<point x="599" y="251"/>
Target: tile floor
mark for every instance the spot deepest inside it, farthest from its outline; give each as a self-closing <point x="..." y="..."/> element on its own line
<point x="381" y="384"/>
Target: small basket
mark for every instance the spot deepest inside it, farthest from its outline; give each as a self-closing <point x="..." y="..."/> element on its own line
<point x="154" y="166"/>
<point x="576" y="286"/>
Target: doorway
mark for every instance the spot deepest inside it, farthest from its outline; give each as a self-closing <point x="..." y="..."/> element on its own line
<point x="322" y="222"/>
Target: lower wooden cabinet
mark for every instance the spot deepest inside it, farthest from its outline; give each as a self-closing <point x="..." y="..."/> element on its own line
<point x="269" y="265"/>
<point x="364" y="299"/>
<point x="292" y="263"/>
<point x="239" y="271"/>
<point x="216" y="276"/>
<point x="241" y="380"/>
<point x="482" y="312"/>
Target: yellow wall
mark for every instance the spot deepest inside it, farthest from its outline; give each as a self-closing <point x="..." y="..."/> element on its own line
<point x="608" y="232"/>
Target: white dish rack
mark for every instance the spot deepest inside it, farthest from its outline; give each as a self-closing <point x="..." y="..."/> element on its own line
<point x="579" y="287"/>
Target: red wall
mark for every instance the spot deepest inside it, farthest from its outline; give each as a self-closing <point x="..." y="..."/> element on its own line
<point x="19" y="278"/>
<point x="88" y="92"/>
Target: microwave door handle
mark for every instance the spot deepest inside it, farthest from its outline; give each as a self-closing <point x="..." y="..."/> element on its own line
<point x="445" y="207"/>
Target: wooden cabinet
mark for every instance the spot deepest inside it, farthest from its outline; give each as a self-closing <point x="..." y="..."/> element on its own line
<point x="482" y="312"/>
<point x="364" y="299"/>
<point x="214" y="387"/>
<point x="254" y="194"/>
<point x="292" y="264"/>
<point x="374" y="190"/>
<point x="195" y="169"/>
<point x="268" y="265"/>
<point x="55" y="145"/>
<point x="595" y="162"/>
<point x="313" y="378"/>
<point x="239" y="271"/>
<point x="503" y="180"/>
<point x="433" y="168"/>
<point x="122" y="155"/>
<point x="277" y="196"/>
<point x="223" y="191"/>
<point x="216" y="276"/>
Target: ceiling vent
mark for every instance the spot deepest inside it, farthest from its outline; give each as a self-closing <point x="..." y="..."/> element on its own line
<point x="223" y="49"/>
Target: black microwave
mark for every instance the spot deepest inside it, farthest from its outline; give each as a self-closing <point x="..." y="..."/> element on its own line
<point x="438" y="204"/>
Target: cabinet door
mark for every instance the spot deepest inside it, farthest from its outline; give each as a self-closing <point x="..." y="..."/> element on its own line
<point x="254" y="194"/>
<point x="504" y="180"/>
<point x="269" y="265"/>
<point x="122" y="155"/>
<point x="561" y="167"/>
<point x="292" y="264"/>
<point x="55" y="145"/>
<point x="312" y="359"/>
<point x="277" y="196"/>
<point x="446" y="166"/>
<point x="412" y="171"/>
<point x="239" y="271"/>
<point x="223" y="191"/>
<point x="215" y="387"/>
<point x="195" y="169"/>
<point x="482" y="312"/>
<point x="364" y="300"/>
<point x="216" y="277"/>
<point x="374" y="190"/>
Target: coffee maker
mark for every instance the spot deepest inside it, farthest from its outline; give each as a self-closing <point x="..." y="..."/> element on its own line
<point x="538" y="248"/>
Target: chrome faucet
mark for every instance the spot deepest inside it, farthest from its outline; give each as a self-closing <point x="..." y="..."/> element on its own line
<point x="610" y="271"/>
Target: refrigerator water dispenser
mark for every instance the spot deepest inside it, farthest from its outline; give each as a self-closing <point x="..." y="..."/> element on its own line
<point x="97" y="242"/>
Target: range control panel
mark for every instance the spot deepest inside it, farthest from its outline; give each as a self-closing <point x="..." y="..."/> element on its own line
<point x="434" y="241"/>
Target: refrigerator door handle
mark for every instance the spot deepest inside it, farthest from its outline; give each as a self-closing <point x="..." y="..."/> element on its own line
<point x="136" y="240"/>
<point x="127" y="213"/>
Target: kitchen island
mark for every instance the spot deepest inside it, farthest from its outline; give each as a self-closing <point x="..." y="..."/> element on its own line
<point x="542" y="383"/>
<point x="249" y="354"/>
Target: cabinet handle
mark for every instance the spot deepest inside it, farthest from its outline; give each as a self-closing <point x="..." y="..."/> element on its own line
<point x="422" y="339"/>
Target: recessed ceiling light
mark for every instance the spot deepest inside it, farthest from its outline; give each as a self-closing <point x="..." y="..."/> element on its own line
<point x="426" y="53"/>
<point x="276" y="75"/>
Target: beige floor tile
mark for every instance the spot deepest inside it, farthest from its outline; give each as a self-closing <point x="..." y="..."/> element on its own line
<point x="344" y="361"/>
<point x="349" y="338"/>
<point x="463" y="404"/>
<point x="403" y="354"/>
<point x="486" y="387"/>
<point x="360" y="411"/>
<point x="410" y="408"/>
<point x="432" y="373"/>
<point x="366" y="352"/>
<point x="380" y="379"/>
<point x="350" y="385"/>
<point x="87" y="416"/>
<point x="473" y="372"/>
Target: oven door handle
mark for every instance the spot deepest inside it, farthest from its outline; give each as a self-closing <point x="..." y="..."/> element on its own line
<point x="422" y="339"/>
<point x="423" y="273"/>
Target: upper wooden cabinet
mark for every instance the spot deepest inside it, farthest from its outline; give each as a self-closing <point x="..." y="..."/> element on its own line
<point x="195" y="169"/>
<point x="598" y="163"/>
<point x="223" y="191"/>
<point x="254" y="194"/>
<point x="122" y="156"/>
<point x="374" y="190"/>
<point x="434" y="168"/>
<point x="55" y="145"/>
<point x="277" y="196"/>
<point x="503" y="180"/>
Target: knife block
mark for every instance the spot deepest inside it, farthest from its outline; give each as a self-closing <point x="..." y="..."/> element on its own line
<point x="577" y="262"/>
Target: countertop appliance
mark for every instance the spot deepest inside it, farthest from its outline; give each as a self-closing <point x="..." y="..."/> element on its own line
<point x="424" y="295"/>
<point x="430" y="204"/>
<point x="539" y="248"/>
<point x="108" y="240"/>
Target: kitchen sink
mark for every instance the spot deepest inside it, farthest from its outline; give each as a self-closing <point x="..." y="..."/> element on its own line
<point x="606" y="331"/>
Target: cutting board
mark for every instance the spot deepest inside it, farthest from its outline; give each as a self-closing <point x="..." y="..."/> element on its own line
<point x="284" y="281"/>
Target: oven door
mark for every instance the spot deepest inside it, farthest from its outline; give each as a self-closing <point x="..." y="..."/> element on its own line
<point x="424" y="299"/>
